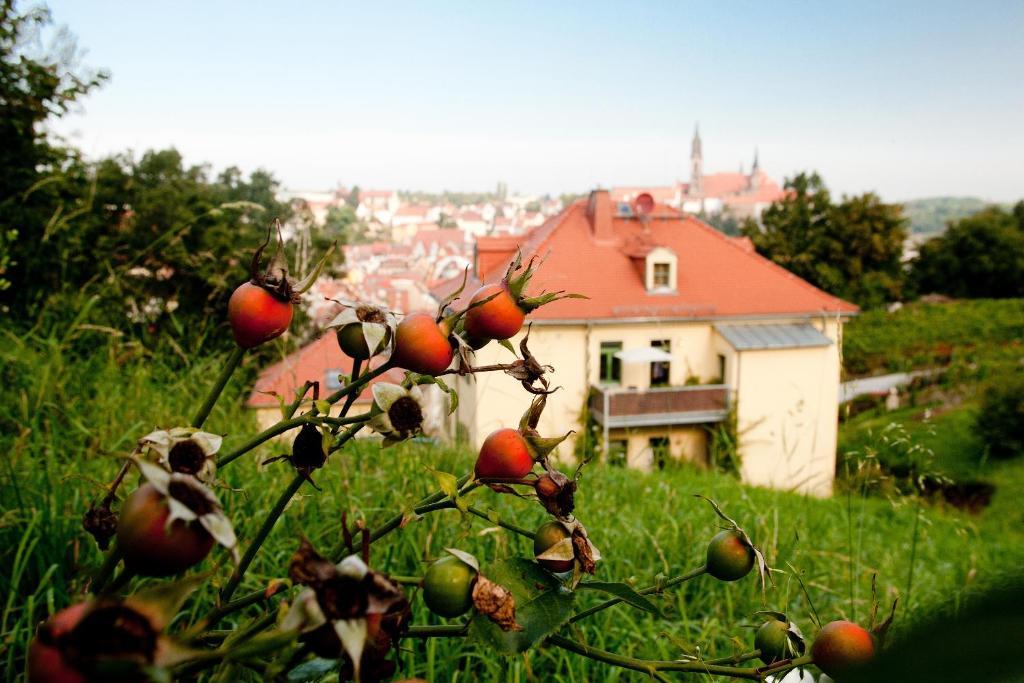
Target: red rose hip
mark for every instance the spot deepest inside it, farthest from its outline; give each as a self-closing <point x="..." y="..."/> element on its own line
<point x="421" y="345"/>
<point x="256" y="315"/>
<point x="498" y="318"/>
<point x="504" y="455"/>
<point x="842" y="646"/>
<point x="150" y="547"/>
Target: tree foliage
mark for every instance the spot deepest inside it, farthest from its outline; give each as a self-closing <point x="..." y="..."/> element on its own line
<point x="145" y="245"/>
<point x="1000" y="421"/>
<point x="851" y="248"/>
<point x="981" y="256"/>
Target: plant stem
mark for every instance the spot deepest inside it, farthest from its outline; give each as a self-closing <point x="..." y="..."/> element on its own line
<point x="218" y="387"/>
<point x="357" y="365"/>
<point x="261" y="536"/>
<point x="913" y="551"/>
<point x="692" y="574"/>
<point x="651" y="667"/>
<point x="358" y="384"/>
<point x="502" y="523"/>
<point x="438" y="631"/>
<point x="106" y="570"/>
<point x="267" y="434"/>
<point x="256" y="597"/>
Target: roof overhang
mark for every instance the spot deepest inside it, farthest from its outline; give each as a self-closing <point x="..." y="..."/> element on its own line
<point x="768" y="336"/>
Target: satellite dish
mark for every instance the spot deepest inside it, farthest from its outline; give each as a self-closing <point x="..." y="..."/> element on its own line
<point x="643" y="204"/>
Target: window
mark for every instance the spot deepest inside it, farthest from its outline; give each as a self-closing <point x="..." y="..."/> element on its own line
<point x="721" y="369"/>
<point x="617" y="453"/>
<point x="663" y="275"/>
<point x="611" y="367"/>
<point x="659" y="451"/>
<point x="660" y="271"/>
<point x="660" y="369"/>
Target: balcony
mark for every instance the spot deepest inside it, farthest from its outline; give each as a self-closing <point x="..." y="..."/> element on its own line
<point x="614" y="407"/>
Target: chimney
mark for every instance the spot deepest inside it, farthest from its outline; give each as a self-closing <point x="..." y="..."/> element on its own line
<point x="599" y="212"/>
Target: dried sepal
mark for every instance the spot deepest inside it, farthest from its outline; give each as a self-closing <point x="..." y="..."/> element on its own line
<point x="556" y="492"/>
<point x="496" y="603"/>
<point x="101" y="522"/>
<point x="763" y="570"/>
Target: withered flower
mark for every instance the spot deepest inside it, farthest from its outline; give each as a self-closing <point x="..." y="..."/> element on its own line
<point x="557" y="493"/>
<point x="347" y="608"/>
<point x="577" y="546"/>
<point x="185" y="450"/>
<point x="401" y="412"/>
<point x="109" y="638"/>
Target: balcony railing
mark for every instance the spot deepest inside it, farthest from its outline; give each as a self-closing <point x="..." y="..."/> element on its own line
<point x="614" y="407"/>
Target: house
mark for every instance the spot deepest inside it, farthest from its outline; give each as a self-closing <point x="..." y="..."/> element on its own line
<point x="378" y="204"/>
<point x="319" y="361"/>
<point x="684" y="328"/>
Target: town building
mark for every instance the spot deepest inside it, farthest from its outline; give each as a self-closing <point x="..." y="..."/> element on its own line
<point x="685" y="330"/>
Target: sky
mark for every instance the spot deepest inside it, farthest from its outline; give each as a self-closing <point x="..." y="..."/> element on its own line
<point x="907" y="99"/>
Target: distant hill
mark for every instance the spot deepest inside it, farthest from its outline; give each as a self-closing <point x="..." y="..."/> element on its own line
<point x="932" y="214"/>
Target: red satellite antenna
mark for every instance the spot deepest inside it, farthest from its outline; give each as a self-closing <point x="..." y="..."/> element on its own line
<point x="643" y="205"/>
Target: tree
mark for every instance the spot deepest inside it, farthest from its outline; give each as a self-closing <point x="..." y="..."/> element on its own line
<point x="41" y="184"/>
<point x="981" y="256"/>
<point x="724" y="221"/>
<point x="851" y="249"/>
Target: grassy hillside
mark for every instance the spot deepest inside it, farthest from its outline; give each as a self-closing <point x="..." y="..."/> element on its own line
<point x="976" y="338"/>
<point x="66" y="420"/>
<point x="931" y="215"/>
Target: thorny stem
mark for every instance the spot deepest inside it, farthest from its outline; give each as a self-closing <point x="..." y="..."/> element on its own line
<point x="357" y="365"/>
<point x="261" y="536"/>
<point x="256" y="597"/>
<point x="692" y="574"/>
<point x="267" y="434"/>
<point x="358" y="384"/>
<point x="110" y="563"/>
<point x="437" y="631"/>
<point x="218" y="387"/>
<point x="651" y="667"/>
<point x="284" y="426"/>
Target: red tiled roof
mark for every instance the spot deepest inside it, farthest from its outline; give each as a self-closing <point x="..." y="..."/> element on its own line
<point x="717" y="276"/>
<point x="440" y="235"/>
<point x="315" y="362"/>
<point x="662" y="195"/>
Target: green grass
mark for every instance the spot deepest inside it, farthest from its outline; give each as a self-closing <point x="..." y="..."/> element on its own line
<point x="70" y="411"/>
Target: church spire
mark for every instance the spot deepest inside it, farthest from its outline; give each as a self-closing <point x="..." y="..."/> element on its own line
<point x="696" y="163"/>
<point x="755" y="173"/>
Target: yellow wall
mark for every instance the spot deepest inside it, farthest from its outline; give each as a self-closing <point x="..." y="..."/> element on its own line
<point x="787" y="415"/>
<point x="787" y="399"/>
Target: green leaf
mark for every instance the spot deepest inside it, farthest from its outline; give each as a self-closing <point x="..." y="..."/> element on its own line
<point x="623" y="592"/>
<point x="543" y="605"/>
<point x="508" y="345"/>
<point x="323" y="407"/>
<point x="448" y="484"/>
<point x="312" y="670"/>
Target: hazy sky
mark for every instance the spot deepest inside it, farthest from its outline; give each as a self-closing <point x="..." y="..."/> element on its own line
<point x="905" y="98"/>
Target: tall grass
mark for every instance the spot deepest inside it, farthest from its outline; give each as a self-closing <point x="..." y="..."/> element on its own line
<point x="68" y="415"/>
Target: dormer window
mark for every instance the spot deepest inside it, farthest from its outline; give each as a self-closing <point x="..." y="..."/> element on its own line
<point x="661" y="271"/>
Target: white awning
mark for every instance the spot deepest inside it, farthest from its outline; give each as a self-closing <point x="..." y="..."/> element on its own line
<point x="643" y="354"/>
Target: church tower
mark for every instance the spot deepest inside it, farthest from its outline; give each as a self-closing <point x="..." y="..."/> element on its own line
<point x="696" y="164"/>
<point x="755" y="173"/>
